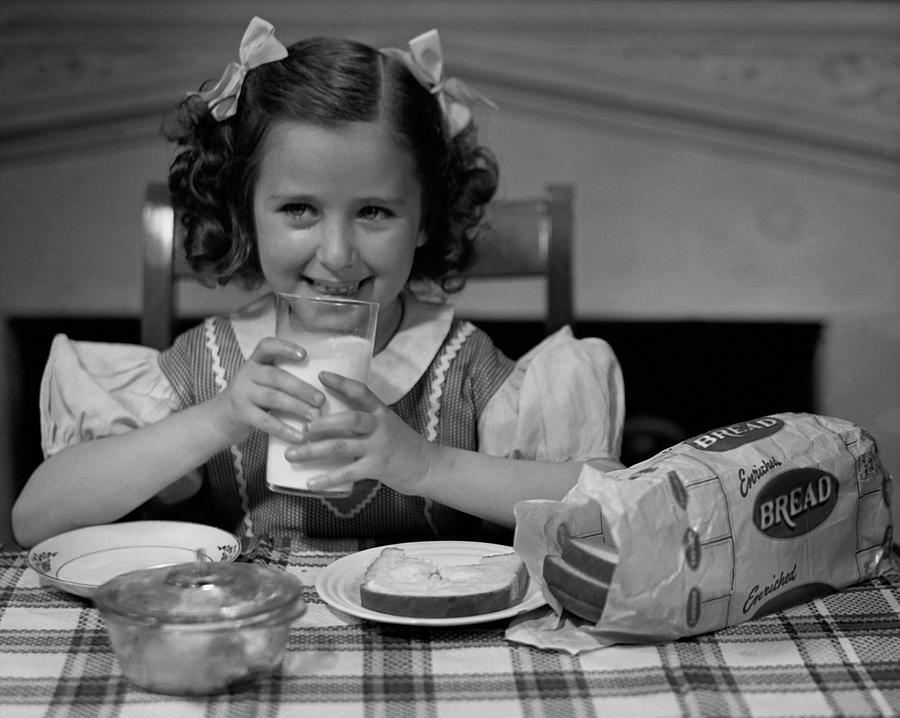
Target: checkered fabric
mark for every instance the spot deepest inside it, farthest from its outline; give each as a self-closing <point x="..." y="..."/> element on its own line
<point x="837" y="656"/>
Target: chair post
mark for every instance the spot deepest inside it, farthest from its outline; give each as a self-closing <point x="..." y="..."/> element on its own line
<point x="159" y="242"/>
<point x="559" y="279"/>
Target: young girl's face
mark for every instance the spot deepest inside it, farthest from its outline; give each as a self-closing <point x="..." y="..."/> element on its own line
<point x="337" y="212"/>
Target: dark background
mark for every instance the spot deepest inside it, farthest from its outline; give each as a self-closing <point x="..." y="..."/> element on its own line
<point x="681" y="378"/>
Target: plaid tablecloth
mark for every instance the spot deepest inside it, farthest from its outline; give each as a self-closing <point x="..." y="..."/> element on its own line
<point x="837" y="656"/>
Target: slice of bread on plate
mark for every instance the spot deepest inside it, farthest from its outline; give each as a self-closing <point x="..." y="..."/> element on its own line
<point x="401" y="584"/>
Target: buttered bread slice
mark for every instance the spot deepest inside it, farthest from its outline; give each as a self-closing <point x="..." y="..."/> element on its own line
<point x="404" y="585"/>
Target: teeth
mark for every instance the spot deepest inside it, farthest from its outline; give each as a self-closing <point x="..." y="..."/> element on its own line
<point x="341" y="291"/>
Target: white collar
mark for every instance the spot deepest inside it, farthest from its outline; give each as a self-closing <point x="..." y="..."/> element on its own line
<point x="395" y="369"/>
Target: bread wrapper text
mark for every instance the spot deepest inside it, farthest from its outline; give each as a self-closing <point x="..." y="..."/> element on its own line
<point x="719" y="529"/>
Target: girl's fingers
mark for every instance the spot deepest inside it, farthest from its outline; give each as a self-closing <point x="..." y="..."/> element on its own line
<point x="272" y="348"/>
<point x="342" y="447"/>
<point x="344" y="423"/>
<point x="292" y="434"/>
<point x="274" y="426"/>
<point x="346" y="476"/>
<point x="271" y="399"/>
<point x="273" y="378"/>
<point x="355" y="393"/>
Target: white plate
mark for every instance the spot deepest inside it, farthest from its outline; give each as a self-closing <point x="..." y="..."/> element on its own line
<point x="338" y="583"/>
<point x="79" y="561"/>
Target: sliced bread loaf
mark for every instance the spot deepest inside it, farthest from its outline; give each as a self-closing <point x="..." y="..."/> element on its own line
<point x="404" y="585"/>
<point x="580" y="577"/>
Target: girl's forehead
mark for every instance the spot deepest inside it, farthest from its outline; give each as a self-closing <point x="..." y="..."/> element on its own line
<point x="302" y="149"/>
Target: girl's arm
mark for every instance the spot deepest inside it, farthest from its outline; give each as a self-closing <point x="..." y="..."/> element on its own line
<point x="489" y="487"/>
<point x="383" y="447"/>
<point x="102" y="480"/>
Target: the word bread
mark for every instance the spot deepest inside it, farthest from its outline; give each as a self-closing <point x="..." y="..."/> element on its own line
<point x="404" y="585"/>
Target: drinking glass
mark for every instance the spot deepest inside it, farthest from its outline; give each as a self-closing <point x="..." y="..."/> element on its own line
<point x="338" y="335"/>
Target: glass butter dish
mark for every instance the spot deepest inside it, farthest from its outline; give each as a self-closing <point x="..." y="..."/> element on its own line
<point x="202" y="627"/>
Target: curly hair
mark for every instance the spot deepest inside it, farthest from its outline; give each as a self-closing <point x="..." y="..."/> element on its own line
<point x="327" y="82"/>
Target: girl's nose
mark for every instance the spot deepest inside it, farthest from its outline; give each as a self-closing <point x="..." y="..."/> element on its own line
<point x="337" y="250"/>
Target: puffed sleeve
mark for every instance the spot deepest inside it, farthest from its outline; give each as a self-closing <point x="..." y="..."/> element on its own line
<point x="90" y="390"/>
<point x="564" y="401"/>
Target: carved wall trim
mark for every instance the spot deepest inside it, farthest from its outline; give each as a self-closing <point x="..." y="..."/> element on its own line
<point x="810" y="82"/>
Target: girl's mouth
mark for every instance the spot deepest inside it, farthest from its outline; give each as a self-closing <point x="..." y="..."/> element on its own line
<point x="336" y="289"/>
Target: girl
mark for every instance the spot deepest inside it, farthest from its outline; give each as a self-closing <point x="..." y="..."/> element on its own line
<point x="326" y="168"/>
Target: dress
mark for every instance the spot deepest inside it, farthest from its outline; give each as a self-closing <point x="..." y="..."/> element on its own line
<point x="441" y="375"/>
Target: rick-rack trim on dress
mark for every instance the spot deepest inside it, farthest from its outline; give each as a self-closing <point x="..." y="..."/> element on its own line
<point x="237" y="456"/>
<point x="442" y="365"/>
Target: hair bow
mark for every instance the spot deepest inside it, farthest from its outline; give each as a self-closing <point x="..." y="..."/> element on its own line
<point x="425" y="60"/>
<point x="258" y="46"/>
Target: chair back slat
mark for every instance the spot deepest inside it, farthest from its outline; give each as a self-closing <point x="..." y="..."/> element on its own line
<point x="514" y="240"/>
<point x="157" y="312"/>
<point x="560" y="311"/>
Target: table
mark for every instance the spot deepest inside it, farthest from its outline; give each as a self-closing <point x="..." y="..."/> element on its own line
<point x="839" y="655"/>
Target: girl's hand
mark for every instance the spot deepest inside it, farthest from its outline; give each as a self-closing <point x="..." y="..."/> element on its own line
<point x="378" y="443"/>
<point x="260" y="388"/>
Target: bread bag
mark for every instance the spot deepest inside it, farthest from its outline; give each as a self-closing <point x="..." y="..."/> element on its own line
<point x="722" y="528"/>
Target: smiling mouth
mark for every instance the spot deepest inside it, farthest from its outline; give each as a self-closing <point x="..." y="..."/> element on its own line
<point x="331" y="289"/>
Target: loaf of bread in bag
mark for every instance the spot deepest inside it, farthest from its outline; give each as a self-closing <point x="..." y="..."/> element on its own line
<point x="728" y="526"/>
<point x="580" y="576"/>
<point x="400" y="584"/>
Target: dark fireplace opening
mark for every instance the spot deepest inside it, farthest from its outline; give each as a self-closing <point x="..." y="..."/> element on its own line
<point x="681" y="377"/>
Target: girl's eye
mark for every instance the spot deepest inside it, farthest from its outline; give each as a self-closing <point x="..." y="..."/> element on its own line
<point x="298" y="210"/>
<point x="372" y="213"/>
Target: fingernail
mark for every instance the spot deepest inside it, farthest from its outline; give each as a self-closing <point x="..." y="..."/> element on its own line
<point x="295" y="453"/>
<point x="298" y="434"/>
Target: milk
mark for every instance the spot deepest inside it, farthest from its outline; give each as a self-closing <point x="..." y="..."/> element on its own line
<point x="346" y="355"/>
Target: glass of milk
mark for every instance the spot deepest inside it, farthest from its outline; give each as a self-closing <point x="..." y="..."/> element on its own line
<point x="338" y="335"/>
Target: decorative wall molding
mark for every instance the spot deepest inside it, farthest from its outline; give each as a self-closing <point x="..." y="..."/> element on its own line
<point x="801" y="81"/>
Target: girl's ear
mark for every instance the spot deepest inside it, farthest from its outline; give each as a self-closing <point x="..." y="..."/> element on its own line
<point x="421" y="238"/>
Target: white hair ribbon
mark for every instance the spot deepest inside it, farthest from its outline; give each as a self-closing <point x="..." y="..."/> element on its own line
<point x="258" y="47"/>
<point x="425" y="60"/>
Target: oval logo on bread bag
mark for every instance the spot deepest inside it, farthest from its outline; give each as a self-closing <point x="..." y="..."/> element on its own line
<point x="691" y="543"/>
<point x="730" y="437"/>
<point x="678" y="489"/>
<point x="692" y="608"/>
<point x="795" y="502"/>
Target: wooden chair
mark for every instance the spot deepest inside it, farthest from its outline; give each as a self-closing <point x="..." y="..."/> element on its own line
<point x="521" y="238"/>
